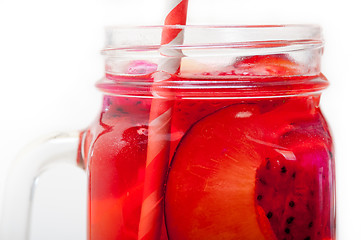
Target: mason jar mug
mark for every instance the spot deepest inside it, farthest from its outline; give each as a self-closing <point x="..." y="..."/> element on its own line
<point x="218" y="137"/>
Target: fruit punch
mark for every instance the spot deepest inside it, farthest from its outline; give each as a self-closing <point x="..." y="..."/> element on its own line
<point x="258" y="166"/>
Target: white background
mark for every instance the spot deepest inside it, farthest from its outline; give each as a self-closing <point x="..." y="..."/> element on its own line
<point x="49" y="62"/>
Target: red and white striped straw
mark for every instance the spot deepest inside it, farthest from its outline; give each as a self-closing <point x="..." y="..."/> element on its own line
<point x="151" y="216"/>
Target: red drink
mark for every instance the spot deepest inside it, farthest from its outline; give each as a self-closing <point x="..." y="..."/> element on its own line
<point x="246" y="168"/>
<point x="248" y="153"/>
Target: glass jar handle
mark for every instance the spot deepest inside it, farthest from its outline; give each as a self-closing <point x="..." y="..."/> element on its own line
<point x="22" y="177"/>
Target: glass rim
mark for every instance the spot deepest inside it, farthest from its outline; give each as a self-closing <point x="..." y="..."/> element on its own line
<point x="245" y="36"/>
<point x="211" y="45"/>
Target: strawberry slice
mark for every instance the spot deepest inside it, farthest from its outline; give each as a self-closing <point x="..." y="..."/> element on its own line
<point x="274" y="65"/>
<point x="267" y="65"/>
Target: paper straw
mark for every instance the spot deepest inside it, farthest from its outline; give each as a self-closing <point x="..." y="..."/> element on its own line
<point x="151" y="217"/>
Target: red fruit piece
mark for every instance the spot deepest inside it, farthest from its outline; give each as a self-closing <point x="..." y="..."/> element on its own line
<point x="118" y="106"/>
<point x="241" y="166"/>
<point x="141" y="67"/>
<point x="119" y="153"/>
<point x="210" y="188"/>
<point x="293" y="183"/>
<point x="275" y="65"/>
<point x="267" y="65"/>
<point x="116" y="176"/>
<point x="188" y="111"/>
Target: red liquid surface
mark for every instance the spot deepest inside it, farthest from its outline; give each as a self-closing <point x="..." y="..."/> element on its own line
<point x="239" y="169"/>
